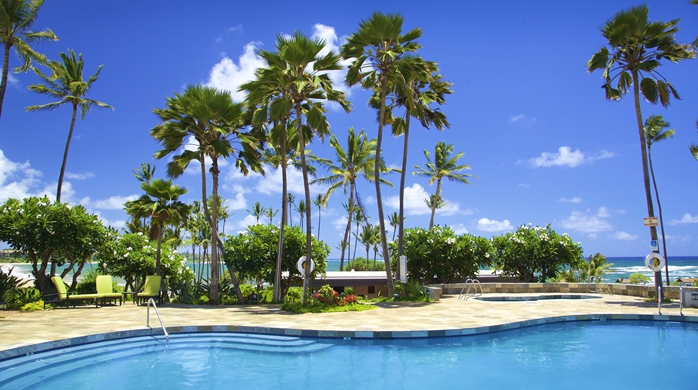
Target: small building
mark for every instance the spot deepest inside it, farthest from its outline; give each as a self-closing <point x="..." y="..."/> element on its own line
<point x="11" y="253"/>
<point x="369" y="284"/>
<point x="687" y="281"/>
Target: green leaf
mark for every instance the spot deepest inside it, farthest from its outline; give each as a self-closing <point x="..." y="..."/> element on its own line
<point x="648" y="88"/>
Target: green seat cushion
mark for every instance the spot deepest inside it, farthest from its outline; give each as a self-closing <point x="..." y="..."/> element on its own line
<point x="84" y="296"/>
<point x="110" y="295"/>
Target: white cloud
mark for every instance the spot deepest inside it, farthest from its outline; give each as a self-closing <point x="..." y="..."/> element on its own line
<point x="79" y="176"/>
<point x="229" y="76"/>
<point x="587" y="222"/>
<point x="245" y="222"/>
<point x="566" y="157"/>
<point x="17" y="179"/>
<point x="340" y="223"/>
<point x="624" y="236"/>
<point x="687" y="218"/>
<point x="238" y="203"/>
<point x="573" y="200"/>
<point x="522" y="118"/>
<point x="592" y="236"/>
<point x="459" y="229"/>
<point x="415" y="205"/>
<point x="491" y="225"/>
<point x="272" y="182"/>
<point x="111" y="203"/>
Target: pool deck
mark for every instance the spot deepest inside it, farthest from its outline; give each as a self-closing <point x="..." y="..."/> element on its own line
<point x="28" y="332"/>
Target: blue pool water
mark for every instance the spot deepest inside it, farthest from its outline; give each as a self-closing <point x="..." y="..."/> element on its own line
<point x="599" y="354"/>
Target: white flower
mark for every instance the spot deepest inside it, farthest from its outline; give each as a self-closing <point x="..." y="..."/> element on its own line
<point x="487" y="255"/>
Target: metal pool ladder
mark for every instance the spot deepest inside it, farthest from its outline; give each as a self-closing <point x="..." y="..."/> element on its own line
<point x="147" y="317"/>
<point x="595" y="286"/>
<point x="475" y="285"/>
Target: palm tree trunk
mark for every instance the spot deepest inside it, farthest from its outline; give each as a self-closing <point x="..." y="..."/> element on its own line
<point x="284" y="194"/>
<point x="65" y="154"/>
<point x="158" y="270"/>
<point x="306" y="187"/>
<point x="213" y="294"/>
<point x="645" y="173"/>
<point x="401" y="225"/>
<point x="5" y="69"/>
<point x="347" y="231"/>
<point x="379" y="198"/>
<point x="435" y="202"/>
<point x="319" y="216"/>
<point x="661" y="218"/>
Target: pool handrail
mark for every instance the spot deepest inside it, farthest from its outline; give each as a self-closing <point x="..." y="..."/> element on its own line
<point x="147" y="317"/>
<point x="469" y="283"/>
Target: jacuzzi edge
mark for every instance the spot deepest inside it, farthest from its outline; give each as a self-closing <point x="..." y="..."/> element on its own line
<point x="56" y="344"/>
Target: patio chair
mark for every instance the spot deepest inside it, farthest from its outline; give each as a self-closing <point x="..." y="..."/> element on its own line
<point x="151" y="289"/>
<point x="66" y="297"/>
<point x="105" y="290"/>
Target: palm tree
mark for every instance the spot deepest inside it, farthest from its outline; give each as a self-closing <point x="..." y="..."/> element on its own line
<point x="16" y="20"/>
<point x="144" y="173"/>
<point x="377" y="47"/>
<point x="359" y="219"/>
<point x="694" y="147"/>
<point x="291" y="200"/>
<point x="257" y="211"/>
<point x="319" y="201"/>
<point x="161" y="204"/>
<point x="207" y="119"/>
<point x="270" y="213"/>
<point x="434" y="203"/>
<point x="297" y="75"/>
<point x="637" y="48"/>
<point x="68" y="86"/>
<point x="444" y="166"/>
<point x="357" y="160"/>
<point x="419" y="86"/>
<point x="394" y="221"/>
<point x="655" y="132"/>
<point x="366" y="237"/>
<point x="301" y="209"/>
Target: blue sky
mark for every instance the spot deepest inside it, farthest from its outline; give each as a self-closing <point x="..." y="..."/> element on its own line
<point x="534" y="126"/>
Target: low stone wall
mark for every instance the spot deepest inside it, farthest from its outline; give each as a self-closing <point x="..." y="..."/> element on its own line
<point x="635" y="290"/>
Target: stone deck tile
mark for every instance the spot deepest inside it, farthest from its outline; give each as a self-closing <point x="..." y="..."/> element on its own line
<point x="20" y="329"/>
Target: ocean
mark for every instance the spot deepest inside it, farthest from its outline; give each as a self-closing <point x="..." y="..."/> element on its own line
<point x="679" y="267"/>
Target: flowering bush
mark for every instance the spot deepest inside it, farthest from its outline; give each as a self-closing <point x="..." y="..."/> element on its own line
<point x="326" y="295"/>
<point x="533" y="254"/>
<point x="348" y="300"/>
<point x="439" y="255"/>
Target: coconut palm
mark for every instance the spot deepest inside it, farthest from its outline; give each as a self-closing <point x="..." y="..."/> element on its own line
<point x="161" y="204"/>
<point x="319" y="201"/>
<point x="16" y="20"/>
<point x="208" y="122"/>
<point x="444" y="166"/>
<point x="394" y="221"/>
<point x="301" y="209"/>
<point x="297" y="75"/>
<point x="637" y="47"/>
<point x="367" y="237"/>
<point x="694" y="147"/>
<point x="434" y="203"/>
<point x="68" y="86"/>
<point x="655" y="131"/>
<point x="270" y="213"/>
<point x="356" y="161"/>
<point x="257" y="211"/>
<point x="417" y="89"/>
<point x="377" y="47"/>
<point x="291" y="200"/>
<point x="144" y="173"/>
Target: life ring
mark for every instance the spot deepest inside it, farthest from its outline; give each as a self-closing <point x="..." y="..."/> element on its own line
<point x="301" y="265"/>
<point x="654" y="261"/>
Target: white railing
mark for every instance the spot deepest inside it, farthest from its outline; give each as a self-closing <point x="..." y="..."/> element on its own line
<point x="475" y="285"/>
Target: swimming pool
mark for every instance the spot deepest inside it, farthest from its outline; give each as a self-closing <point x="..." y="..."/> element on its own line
<point x="570" y="355"/>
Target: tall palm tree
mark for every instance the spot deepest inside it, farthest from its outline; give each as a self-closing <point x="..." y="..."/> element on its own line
<point x="419" y="87"/>
<point x="161" y="204"/>
<point x="377" y="47"/>
<point x="208" y="120"/>
<point x="394" y="221"/>
<point x="357" y="160"/>
<point x="434" y="203"/>
<point x="270" y="213"/>
<point x="68" y="86"/>
<point x="444" y="166"/>
<point x="297" y="74"/>
<point x="319" y="201"/>
<point x="655" y="131"/>
<point x="694" y="147"/>
<point x="291" y="200"/>
<point x="257" y="211"/>
<point x="16" y="20"/>
<point x="144" y="173"/>
<point x="301" y="209"/>
<point x="637" y="47"/>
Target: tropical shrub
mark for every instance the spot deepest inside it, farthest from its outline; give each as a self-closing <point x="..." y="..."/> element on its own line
<point x="35" y="306"/>
<point x="327" y="296"/>
<point x="411" y="291"/>
<point x="132" y="256"/>
<point x="252" y="254"/>
<point x="8" y="283"/>
<point x="363" y="264"/>
<point x="535" y="254"/>
<point x="17" y="298"/>
<point x="638" y="278"/>
<point x="438" y="255"/>
<point x="294" y="294"/>
<point x="88" y="283"/>
<point x="595" y="268"/>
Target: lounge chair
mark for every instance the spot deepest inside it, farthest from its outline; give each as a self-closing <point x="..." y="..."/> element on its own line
<point x="63" y="296"/>
<point x="151" y="289"/>
<point x="106" y="291"/>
